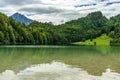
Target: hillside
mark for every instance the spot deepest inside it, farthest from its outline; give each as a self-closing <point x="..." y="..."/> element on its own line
<point x="83" y="29"/>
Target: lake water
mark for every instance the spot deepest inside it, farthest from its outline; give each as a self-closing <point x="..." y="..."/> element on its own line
<point x="59" y="62"/>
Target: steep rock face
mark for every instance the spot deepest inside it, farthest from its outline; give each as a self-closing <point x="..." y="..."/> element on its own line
<point x="21" y="18"/>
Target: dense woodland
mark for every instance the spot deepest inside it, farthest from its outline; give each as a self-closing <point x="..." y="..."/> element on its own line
<point x="37" y="33"/>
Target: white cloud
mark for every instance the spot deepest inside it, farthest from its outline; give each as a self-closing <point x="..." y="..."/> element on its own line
<point x="57" y="10"/>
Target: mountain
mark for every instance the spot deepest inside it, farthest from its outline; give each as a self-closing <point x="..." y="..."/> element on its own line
<point x="86" y="28"/>
<point x="115" y="18"/>
<point x="21" y="18"/>
<point x="92" y="20"/>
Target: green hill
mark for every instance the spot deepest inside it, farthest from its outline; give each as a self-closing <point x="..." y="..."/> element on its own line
<point x="86" y="30"/>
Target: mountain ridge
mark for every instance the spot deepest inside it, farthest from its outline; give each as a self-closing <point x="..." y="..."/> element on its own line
<point x="86" y="28"/>
<point x="21" y="18"/>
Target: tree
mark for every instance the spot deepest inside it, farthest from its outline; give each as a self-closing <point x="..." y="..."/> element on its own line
<point x="1" y="37"/>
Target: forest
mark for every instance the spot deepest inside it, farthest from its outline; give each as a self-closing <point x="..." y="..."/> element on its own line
<point x="93" y="25"/>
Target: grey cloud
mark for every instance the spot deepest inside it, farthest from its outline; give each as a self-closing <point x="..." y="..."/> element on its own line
<point x="42" y="10"/>
<point x="85" y="5"/>
<point x="88" y="9"/>
<point x="2" y="5"/>
<point x="102" y="0"/>
<point x="70" y="15"/>
<point x="19" y="2"/>
<point x="112" y="9"/>
<point x="110" y="3"/>
<point x="50" y="8"/>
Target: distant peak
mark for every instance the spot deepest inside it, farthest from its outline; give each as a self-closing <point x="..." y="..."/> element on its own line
<point x="21" y="18"/>
<point x="95" y="14"/>
<point x="18" y="14"/>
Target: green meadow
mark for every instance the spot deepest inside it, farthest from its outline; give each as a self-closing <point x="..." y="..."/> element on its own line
<point x="102" y="40"/>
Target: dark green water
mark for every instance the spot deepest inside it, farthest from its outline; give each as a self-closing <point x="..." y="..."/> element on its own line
<point x="93" y="59"/>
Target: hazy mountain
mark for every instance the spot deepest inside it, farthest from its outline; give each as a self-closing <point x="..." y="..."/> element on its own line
<point x="21" y="18"/>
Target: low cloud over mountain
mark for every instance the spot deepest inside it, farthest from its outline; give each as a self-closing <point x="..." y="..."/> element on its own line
<point x="57" y="10"/>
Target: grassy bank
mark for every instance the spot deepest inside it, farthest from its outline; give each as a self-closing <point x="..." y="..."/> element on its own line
<point x="102" y="40"/>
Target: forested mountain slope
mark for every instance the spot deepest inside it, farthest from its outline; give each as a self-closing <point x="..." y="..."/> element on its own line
<point x="89" y="27"/>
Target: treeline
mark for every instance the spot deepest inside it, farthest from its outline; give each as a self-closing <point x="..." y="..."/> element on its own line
<point x="115" y="33"/>
<point x="37" y="33"/>
<point x="14" y="32"/>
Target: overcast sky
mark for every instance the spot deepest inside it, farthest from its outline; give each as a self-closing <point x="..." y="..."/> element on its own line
<point x="58" y="11"/>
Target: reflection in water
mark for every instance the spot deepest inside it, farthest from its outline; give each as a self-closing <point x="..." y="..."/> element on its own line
<point x="56" y="71"/>
<point x="95" y="60"/>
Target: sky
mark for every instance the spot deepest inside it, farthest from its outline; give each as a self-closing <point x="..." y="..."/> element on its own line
<point x="59" y="11"/>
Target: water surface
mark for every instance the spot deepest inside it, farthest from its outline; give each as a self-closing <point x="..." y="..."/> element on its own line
<point x="60" y="62"/>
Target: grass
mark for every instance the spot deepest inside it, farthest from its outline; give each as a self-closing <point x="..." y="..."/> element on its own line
<point x="102" y="40"/>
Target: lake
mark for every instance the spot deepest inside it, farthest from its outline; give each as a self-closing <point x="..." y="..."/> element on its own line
<point x="59" y="62"/>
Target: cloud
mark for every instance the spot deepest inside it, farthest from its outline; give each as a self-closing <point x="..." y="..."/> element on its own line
<point x="111" y="3"/>
<point x="19" y="2"/>
<point x="85" y="5"/>
<point x="57" y="10"/>
<point x="42" y="10"/>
